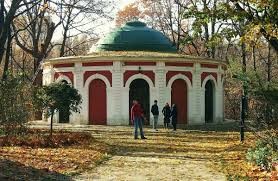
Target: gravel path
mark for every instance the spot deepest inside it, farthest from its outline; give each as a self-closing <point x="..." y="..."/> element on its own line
<point x="151" y="168"/>
<point x="151" y="159"/>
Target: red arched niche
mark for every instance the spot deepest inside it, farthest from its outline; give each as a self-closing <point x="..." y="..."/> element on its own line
<point x="129" y="73"/>
<point x="106" y="74"/>
<point x="205" y="74"/>
<point x="171" y="74"/>
<point x="67" y="74"/>
<point x="97" y="102"/>
<point x="179" y="97"/>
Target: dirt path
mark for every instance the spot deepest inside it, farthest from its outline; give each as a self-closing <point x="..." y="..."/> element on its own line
<point x="151" y="168"/>
<point x="165" y="155"/>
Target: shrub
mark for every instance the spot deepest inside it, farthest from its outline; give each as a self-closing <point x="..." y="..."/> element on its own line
<point x="263" y="154"/>
<point x="57" y="97"/>
<point x="15" y="104"/>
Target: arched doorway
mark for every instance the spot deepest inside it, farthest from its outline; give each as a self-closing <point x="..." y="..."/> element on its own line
<point x="97" y="102"/>
<point x="139" y="90"/>
<point x="64" y="114"/>
<point x="209" y="104"/>
<point x="179" y="97"/>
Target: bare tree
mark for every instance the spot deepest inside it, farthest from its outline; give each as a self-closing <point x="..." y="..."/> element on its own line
<point x="10" y="11"/>
<point x="78" y="16"/>
<point x="166" y="16"/>
<point x="37" y="23"/>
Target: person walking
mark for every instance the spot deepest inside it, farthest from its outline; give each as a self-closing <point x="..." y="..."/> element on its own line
<point x="155" y="113"/>
<point x="137" y="116"/>
<point x="174" y="115"/>
<point x="167" y="114"/>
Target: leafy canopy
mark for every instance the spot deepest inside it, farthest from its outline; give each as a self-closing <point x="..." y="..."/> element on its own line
<point x="58" y="97"/>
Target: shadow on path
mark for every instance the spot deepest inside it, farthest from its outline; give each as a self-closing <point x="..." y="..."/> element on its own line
<point x="10" y="170"/>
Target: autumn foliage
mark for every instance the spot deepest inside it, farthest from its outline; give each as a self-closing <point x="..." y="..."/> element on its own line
<point x="129" y="13"/>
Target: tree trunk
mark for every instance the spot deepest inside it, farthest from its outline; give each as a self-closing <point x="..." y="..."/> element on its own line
<point x="272" y="40"/>
<point x="51" y="123"/>
<point x="62" y="50"/>
<point x="213" y="22"/>
<point x="243" y="54"/>
<point x="207" y="38"/>
<point x="66" y="28"/>
<point x="269" y="63"/>
<point x="254" y="58"/>
<point x="7" y="58"/>
<point x="6" y="25"/>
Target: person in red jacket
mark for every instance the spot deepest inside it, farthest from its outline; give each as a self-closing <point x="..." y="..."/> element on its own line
<point x="136" y="117"/>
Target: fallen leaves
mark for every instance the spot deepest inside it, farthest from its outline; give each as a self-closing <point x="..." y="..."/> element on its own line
<point x="83" y="153"/>
<point x="222" y="150"/>
<point x="40" y="138"/>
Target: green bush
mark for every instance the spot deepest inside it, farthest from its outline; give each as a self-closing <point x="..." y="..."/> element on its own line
<point x="57" y="97"/>
<point x="263" y="154"/>
<point x="259" y="156"/>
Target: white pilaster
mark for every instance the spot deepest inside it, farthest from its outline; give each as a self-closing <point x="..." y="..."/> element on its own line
<point x="116" y="94"/>
<point x="197" y="116"/>
<point x="48" y="78"/>
<point x="48" y="75"/>
<point x="125" y="105"/>
<point x="109" y="92"/>
<point x="219" y="107"/>
<point x="78" y="118"/>
<point x="161" y="94"/>
<point x="190" y="104"/>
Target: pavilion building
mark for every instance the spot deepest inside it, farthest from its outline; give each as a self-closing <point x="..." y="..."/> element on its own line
<point x="137" y="62"/>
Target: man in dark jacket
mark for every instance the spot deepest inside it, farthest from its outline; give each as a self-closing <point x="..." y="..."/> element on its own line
<point x="174" y="115"/>
<point x="167" y="114"/>
<point x="136" y="116"/>
<point x="155" y="113"/>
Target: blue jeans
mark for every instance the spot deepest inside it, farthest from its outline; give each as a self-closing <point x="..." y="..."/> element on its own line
<point x="138" y="123"/>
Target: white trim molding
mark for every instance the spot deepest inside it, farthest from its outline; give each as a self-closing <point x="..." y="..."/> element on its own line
<point x="63" y="77"/>
<point x="139" y="76"/>
<point x="209" y="77"/>
<point x="97" y="76"/>
<point x="180" y="76"/>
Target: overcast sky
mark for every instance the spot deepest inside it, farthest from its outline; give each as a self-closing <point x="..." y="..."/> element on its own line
<point x="120" y="5"/>
<point x="124" y="3"/>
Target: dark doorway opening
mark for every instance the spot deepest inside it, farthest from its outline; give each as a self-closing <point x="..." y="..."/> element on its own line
<point x="209" y="104"/>
<point x="179" y="97"/>
<point x="139" y="90"/>
<point x="64" y="114"/>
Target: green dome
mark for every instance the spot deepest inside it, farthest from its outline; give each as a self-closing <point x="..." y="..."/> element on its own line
<point x="135" y="36"/>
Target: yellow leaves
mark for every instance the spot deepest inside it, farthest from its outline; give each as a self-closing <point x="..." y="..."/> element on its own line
<point x="253" y="35"/>
<point x="222" y="150"/>
<point x="271" y="30"/>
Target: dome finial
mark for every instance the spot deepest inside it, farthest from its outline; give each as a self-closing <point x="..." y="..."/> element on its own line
<point x="136" y="23"/>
